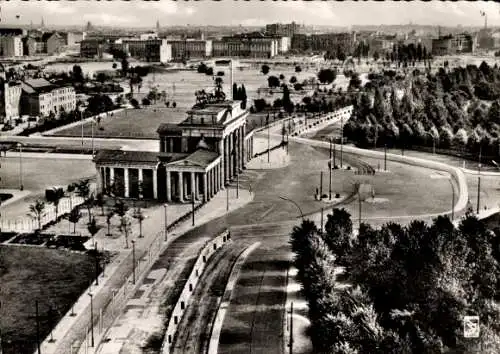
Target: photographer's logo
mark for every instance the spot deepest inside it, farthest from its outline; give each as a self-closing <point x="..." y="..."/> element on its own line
<point x="471" y="326"/>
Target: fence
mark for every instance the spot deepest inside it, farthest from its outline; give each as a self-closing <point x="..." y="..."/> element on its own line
<point x="198" y="268"/>
<point x="115" y="302"/>
<point x="27" y="224"/>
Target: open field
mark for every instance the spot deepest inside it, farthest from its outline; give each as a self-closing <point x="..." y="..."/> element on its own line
<point x="39" y="174"/>
<point x="54" y="278"/>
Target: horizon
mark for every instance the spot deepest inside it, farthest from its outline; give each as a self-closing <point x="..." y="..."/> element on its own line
<point x="247" y="14"/>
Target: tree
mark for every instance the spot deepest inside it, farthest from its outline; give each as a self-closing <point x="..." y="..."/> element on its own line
<point x="282" y="77"/>
<point x="125" y="228"/>
<point x="273" y="81"/>
<point x="355" y="82"/>
<point x="265" y="69"/>
<point x="124" y="66"/>
<point x="93" y="228"/>
<point x="298" y="69"/>
<point x="120" y="208"/>
<point x="100" y="202"/>
<point x="77" y="73"/>
<point x="209" y="71"/>
<point x="376" y="56"/>
<point x="235" y="92"/>
<point x="146" y="101"/>
<point x="55" y="198"/>
<point x="341" y="56"/>
<point x="139" y="215"/>
<point x="243" y="97"/>
<point x="109" y="216"/>
<point x="326" y="76"/>
<point x="293" y="80"/>
<point x="37" y="212"/>
<point x="83" y="190"/>
<point x="74" y="216"/>
<point x="202" y="68"/>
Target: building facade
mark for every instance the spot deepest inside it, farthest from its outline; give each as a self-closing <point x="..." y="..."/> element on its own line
<point x="11" y="46"/>
<point x="247" y="46"/>
<point x="92" y="48"/>
<point x="41" y="98"/>
<point x="10" y="101"/>
<point x="55" y="43"/>
<point x="454" y="44"/>
<point x="191" y="48"/>
<point x="284" y="30"/>
<point x="196" y="158"/>
<point x="151" y="50"/>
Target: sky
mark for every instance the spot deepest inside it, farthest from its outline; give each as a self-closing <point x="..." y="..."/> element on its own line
<point x="139" y="13"/>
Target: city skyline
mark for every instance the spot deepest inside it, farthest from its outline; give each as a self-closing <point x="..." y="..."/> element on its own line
<point x="141" y="14"/>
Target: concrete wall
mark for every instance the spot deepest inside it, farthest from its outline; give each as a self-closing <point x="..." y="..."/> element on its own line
<point x="192" y="281"/>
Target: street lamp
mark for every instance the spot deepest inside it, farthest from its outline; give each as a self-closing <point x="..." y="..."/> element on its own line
<point x="166" y="224"/>
<point x="133" y="262"/>
<point x="298" y="207"/>
<point x="450" y="179"/>
<point x="91" y="319"/>
<point x="433" y="143"/>
<point x="20" y="146"/>
<point x="81" y="109"/>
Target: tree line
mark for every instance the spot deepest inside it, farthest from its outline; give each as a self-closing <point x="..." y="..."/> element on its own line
<point x="406" y="289"/>
<point x="456" y="109"/>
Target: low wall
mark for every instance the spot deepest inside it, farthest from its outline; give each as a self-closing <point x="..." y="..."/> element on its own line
<point x="226" y="298"/>
<point x="325" y="120"/>
<point x="455" y="172"/>
<point x="191" y="283"/>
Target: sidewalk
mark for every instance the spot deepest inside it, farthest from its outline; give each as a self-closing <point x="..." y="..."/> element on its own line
<point x="142" y="316"/>
<point x="72" y="329"/>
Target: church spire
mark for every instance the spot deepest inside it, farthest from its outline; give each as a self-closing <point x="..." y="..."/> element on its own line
<point x="158" y="26"/>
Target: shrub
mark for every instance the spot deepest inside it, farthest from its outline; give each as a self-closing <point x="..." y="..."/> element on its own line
<point x="337" y="195"/>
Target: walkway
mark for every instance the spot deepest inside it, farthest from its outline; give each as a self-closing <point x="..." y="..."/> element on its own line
<point x="73" y="329"/>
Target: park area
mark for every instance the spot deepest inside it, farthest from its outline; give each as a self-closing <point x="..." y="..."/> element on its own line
<point x="28" y="274"/>
<point x="180" y="87"/>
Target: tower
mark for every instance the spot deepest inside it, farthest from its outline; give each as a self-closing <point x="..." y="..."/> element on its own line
<point x="42" y="23"/>
<point x="158" y="26"/>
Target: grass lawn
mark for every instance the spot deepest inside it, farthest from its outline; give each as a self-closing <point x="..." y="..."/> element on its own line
<point x="54" y="278"/>
<point x="39" y="174"/>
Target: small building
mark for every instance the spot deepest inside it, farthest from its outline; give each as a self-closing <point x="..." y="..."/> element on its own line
<point x="454" y="44"/>
<point x="54" y="42"/>
<point x="34" y="45"/>
<point x="195" y="159"/>
<point x="41" y="98"/>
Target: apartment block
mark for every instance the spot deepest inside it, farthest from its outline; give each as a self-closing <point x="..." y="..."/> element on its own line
<point x="40" y="97"/>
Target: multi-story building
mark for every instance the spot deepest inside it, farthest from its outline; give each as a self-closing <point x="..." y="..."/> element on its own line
<point x="92" y="47"/>
<point x="11" y="46"/>
<point x="41" y="98"/>
<point x="55" y="42"/>
<point x="301" y="42"/>
<point x="284" y="30"/>
<point x="10" y="101"/>
<point x="73" y="38"/>
<point x="196" y="158"/>
<point x="33" y="45"/>
<point x="284" y="44"/>
<point x="333" y="43"/>
<point x="382" y="44"/>
<point x="255" y="45"/>
<point x="152" y="50"/>
<point x="190" y="48"/>
<point x="454" y="44"/>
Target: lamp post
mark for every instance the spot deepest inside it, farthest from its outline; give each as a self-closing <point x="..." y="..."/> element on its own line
<point x="341" y="138"/>
<point x="330" y="180"/>
<point x="192" y="206"/>
<point x="227" y="197"/>
<point x="298" y="207"/>
<point x="133" y="261"/>
<point x="81" y="109"/>
<point x="96" y="265"/>
<point x="91" y="319"/>
<point x="37" y="318"/>
<point x="479" y="180"/>
<point x="166" y="224"/>
<point x="20" y="146"/>
<point x="433" y="143"/>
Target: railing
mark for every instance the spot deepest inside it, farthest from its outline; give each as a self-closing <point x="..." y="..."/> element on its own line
<point x="114" y="305"/>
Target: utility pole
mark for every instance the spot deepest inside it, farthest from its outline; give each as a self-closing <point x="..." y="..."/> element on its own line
<point x="330" y="180"/>
<point x="91" y="319"/>
<point x="166" y="224"/>
<point x="21" y="187"/>
<point x="321" y="219"/>
<point x="133" y="261"/>
<point x="341" y="138"/>
<point x="359" y="198"/>
<point x="192" y="206"/>
<point x="37" y="317"/>
<point x="291" y="328"/>
<point x="268" y="142"/>
<point x="452" y="201"/>
<point x="334" y="155"/>
<point x="385" y="157"/>
<point x="479" y="181"/>
<point x="320" y="184"/>
<point x="96" y="265"/>
<point x="227" y="198"/>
